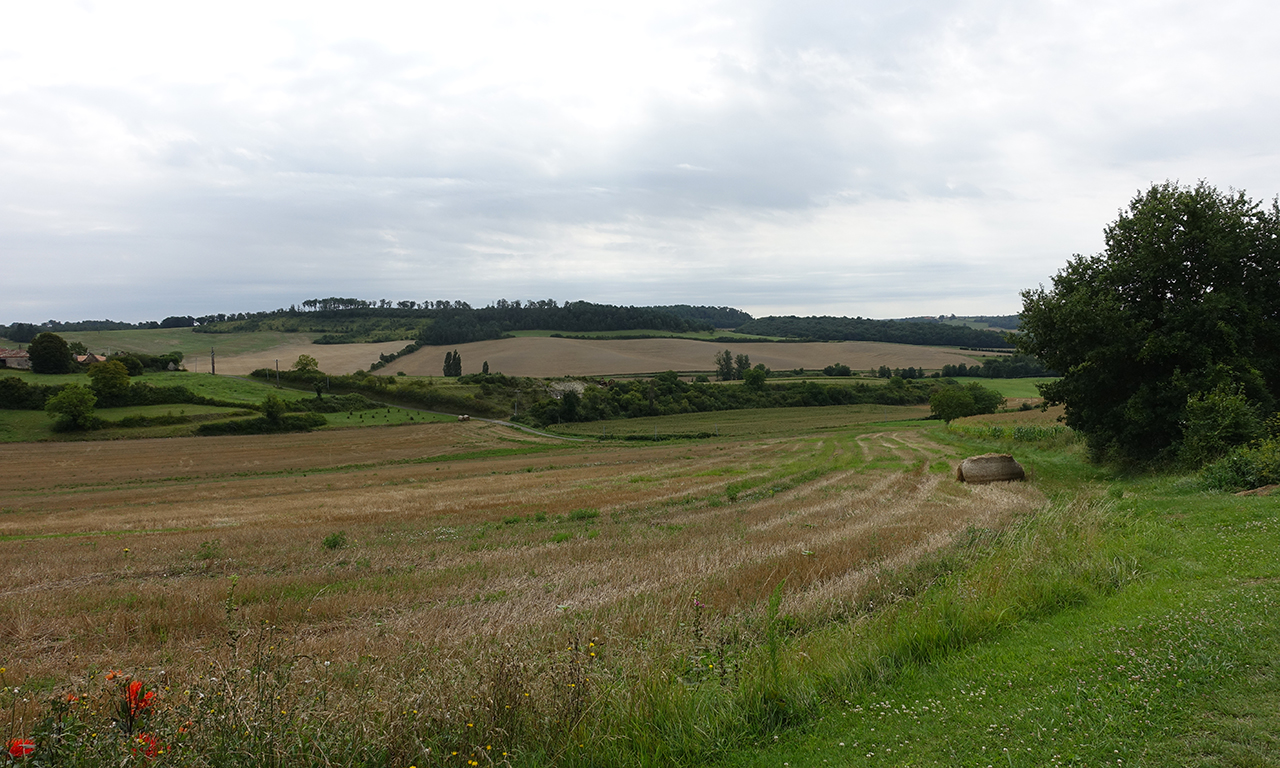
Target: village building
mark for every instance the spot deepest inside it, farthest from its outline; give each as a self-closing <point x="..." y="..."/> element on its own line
<point x="15" y="358"/>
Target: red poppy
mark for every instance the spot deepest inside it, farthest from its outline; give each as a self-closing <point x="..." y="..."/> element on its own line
<point x="147" y="745"/>
<point x="138" y="701"/>
<point x="20" y="748"/>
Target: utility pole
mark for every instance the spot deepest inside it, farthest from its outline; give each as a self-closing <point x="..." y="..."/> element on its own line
<point x="277" y="373"/>
<point x="213" y="366"/>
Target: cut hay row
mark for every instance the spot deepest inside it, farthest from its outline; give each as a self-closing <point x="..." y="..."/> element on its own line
<point x="119" y="556"/>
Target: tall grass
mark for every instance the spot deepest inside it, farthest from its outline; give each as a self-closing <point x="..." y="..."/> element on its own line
<point x="593" y="693"/>
<point x="1020" y="433"/>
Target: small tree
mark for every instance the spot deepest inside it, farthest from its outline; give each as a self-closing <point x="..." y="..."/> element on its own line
<point x="273" y="409"/>
<point x="951" y="403"/>
<point x="485" y="368"/>
<point x="724" y="365"/>
<point x="306" y="364"/>
<point x="1216" y="422"/>
<point x="741" y="364"/>
<point x="131" y="364"/>
<point x="109" y="381"/>
<point x="754" y="378"/>
<point x="49" y="354"/>
<point x="72" y="408"/>
<point x="984" y="400"/>
<point x="452" y="363"/>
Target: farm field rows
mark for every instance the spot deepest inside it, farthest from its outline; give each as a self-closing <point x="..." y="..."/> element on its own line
<point x="237" y="354"/>
<point x="463" y="594"/>
<point x="533" y="353"/>
<point x="758" y="422"/>
<point x="461" y="538"/>
<point x="549" y="357"/>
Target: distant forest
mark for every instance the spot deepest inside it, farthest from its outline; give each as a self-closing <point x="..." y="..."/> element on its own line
<point x="435" y="323"/>
<point x="860" y="329"/>
<point x="1003" y="322"/>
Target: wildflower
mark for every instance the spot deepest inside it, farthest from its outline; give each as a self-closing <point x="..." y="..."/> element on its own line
<point x="114" y="674"/>
<point x="20" y="748"/>
<point x="137" y="700"/>
<point x="147" y="745"/>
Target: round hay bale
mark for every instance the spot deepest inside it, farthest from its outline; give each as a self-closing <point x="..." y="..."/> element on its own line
<point x="989" y="468"/>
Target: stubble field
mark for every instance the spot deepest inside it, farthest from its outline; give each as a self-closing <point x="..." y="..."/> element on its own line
<point x="537" y="356"/>
<point x="416" y="559"/>
<point x="549" y="357"/>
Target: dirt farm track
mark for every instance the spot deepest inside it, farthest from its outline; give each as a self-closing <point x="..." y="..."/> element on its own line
<point x="548" y="357"/>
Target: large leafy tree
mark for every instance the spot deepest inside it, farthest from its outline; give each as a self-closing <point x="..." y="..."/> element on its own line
<point x="49" y="354"/>
<point x="1184" y="301"/>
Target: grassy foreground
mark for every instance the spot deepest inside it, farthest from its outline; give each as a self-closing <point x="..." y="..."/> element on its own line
<point x="1126" y="622"/>
<point x="1176" y="665"/>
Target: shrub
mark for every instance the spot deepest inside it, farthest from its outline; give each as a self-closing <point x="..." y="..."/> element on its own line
<point x="335" y="540"/>
<point x="72" y="408"/>
<point x="1245" y="467"/>
<point x="1215" y="423"/>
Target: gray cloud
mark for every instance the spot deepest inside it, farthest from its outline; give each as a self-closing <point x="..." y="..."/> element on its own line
<point x="859" y="158"/>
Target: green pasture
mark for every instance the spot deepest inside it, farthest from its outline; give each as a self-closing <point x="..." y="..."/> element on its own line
<point x="755" y="422"/>
<point x="383" y="417"/>
<point x="1008" y="387"/>
<point x="232" y="388"/>
<point x="1170" y="659"/>
<point x="158" y="341"/>
<point x="33" y="426"/>
<point x="179" y="409"/>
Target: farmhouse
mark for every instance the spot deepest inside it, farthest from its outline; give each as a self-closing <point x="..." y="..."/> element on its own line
<point x="15" y="358"/>
<point x="90" y="359"/>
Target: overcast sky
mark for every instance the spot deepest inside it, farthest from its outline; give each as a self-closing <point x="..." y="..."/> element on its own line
<point x="851" y="157"/>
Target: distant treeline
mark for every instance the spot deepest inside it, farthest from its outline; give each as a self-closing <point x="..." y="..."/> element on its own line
<point x="666" y="395"/>
<point x="1005" y="322"/>
<point x="720" y="317"/>
<point x="23" y="333"/>
<point x="1011" y="367"/>
<point x="452" y="322"/>
<point x="861" y="329"/>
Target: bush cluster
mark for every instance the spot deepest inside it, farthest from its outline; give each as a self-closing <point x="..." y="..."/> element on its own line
<point x="263" y="425"/>
<point x="1251" y="466"/>
<point x="666" y="394"/>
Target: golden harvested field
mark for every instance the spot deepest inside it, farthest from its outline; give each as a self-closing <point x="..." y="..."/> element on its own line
<point x="457" y="541"/>
<point x="334" y="358"/>
<point x="547" y="357"/>
<point x="237" y="353"/>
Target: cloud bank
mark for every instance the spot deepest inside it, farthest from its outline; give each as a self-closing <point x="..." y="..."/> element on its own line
<point x="852" y="158"/>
